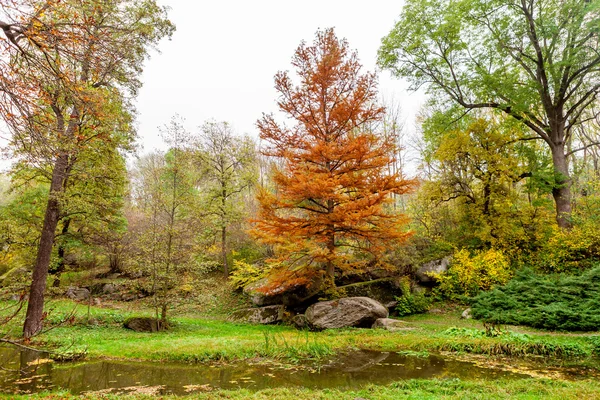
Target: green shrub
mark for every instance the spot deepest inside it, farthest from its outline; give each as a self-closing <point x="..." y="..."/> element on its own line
<point x="557" y="302"/>
<point x="411" y="302"/>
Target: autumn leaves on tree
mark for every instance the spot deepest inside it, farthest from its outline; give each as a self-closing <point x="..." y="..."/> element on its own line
<point x="328" y="211"/>
<point x="68" y="70"/>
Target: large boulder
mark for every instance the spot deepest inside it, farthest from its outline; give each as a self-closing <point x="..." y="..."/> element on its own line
<point x="261" y="315"/>
<point x="383" y="290"/>
<point x="423" y="274"/>
<point x="77" y="293"/>
<point x="262" y="293"/>
<point x="142" y="324"/>
<point x="346" y="312"/>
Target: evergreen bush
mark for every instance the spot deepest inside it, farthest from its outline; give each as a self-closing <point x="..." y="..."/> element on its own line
<point x="556" y="302"/>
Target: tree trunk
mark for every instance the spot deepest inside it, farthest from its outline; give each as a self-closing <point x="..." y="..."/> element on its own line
<point x="330" y="268"/>
<point x="61" y="255"/>
<point x="163" y="316"/>
<point x="562" y="187"/>
<point x="224" y="224"/>
<point x="224" y="250"/>
<point x="35" y="307"/>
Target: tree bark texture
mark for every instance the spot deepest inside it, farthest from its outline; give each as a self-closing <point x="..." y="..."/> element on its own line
<point x="562" y="188"/>
<point x="35" y="307"/>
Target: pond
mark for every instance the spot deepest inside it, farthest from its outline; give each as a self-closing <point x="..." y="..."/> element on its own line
<point x="25" y="372"/>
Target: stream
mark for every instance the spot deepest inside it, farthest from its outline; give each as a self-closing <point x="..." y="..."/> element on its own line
<point x="24" y="372"/>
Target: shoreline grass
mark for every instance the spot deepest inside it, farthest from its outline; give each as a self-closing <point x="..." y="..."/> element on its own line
<point x="199" y="340"/>
<point x="449" y="389"/>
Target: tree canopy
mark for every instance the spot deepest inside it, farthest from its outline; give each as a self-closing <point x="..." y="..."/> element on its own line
<point x="537" y="61"/>
<point x="328" y="209"/>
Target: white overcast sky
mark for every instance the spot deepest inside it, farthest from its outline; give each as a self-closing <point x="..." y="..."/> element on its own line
<point x="221" y="60"/>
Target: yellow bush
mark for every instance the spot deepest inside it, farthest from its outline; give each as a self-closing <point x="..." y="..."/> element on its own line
<point x="244" y="273"/>
<point x="468" y="274"/>
<point x="571" y="250"/>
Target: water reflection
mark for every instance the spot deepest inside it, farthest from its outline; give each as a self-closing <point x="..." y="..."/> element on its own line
<point x="23" y="372"/>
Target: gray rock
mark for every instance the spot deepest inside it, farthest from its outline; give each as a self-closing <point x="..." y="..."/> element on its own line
<point x="109" y="288"/>
<point x="78" y="294"/>
<point x="391" y="304"/>
<point x="383" y="290"/>
<point x="262" y="315"/>
<point x="392" y="325"/>
<point x="129" y="297"/>
<point x="288" y="295"/>
<point x="346" y="312"/>
<point x="142" y="324"/>
<point x="299" y="321"/>
<point x="466" y="314"/>
<point x="436" y="266"/>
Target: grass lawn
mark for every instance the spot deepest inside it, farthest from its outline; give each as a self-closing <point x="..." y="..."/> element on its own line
<point x="195" y="339"/>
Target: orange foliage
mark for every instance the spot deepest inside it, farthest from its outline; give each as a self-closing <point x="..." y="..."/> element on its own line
<point x="328" y="210"/>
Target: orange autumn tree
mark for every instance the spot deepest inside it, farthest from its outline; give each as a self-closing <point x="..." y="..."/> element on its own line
<point x="327" y="212"/>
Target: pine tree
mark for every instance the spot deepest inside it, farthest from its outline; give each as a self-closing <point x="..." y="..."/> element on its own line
<point x="328" y="211"/>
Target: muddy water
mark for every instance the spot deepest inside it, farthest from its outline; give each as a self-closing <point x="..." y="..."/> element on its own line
<point x="30" y="372"/>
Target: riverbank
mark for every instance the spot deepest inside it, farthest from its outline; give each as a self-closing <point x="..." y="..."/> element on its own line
<point x="200" y="340"/>
<point x="449" y="389"/>
<point x="99" y="333"/>
<point x="561" y="365"/>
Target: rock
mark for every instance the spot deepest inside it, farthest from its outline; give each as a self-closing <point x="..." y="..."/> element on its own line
<point x="299" y="321"/>
<point x="436" y="266"/>
<point x="288" y="295"/>
<point x="109" y="288"/>
<point x="78" y="294"/>
<point x="466" y="314"/>
<point x="262" y="315"/>
<point x="346" y="312"/>
<point x="97" y="301"/>
<point x="383" y="290"/>
<point x="391" y="305"/>
<point x="416" y="288"/>
<point x="142" y="324"/>
<point x="390" y="324"/>
<point x="129" y="297"/>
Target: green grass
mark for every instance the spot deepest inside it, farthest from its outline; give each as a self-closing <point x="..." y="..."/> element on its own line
<point x="194" y="339"/>
<point x="199" y="340"/>
<point x="411" y="389"/>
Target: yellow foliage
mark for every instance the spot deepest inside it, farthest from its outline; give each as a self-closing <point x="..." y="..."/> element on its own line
<point x="469" y="274"/>
<point x="566" y="250"/>
<point x="244" y="273"/>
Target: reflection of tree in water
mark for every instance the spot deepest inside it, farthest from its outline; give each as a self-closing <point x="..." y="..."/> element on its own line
<point x="33" y="376"/>
<point x="346" y="371"/>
